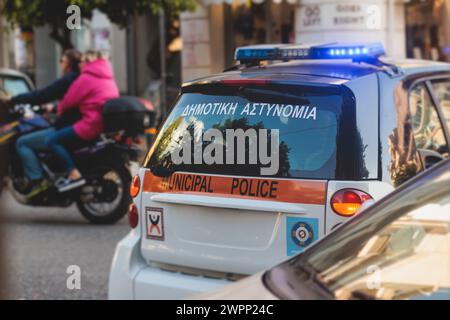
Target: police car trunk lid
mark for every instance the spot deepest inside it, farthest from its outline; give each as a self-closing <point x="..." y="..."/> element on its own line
<point x="239" y="225"/>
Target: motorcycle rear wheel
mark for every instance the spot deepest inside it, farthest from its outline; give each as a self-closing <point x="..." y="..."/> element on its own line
<point x="118" y="200"/>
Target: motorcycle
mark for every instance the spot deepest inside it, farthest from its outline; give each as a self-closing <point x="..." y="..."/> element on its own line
<point x="104" y="163"/>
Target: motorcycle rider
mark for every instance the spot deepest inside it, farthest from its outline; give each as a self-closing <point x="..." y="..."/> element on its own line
<point x="87" y="94"/>
<point x="27" y="145"/>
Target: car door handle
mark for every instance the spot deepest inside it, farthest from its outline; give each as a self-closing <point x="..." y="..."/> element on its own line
<point x="234" y="203"/>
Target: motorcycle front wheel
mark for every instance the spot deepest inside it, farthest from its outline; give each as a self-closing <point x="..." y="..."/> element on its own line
<point x="105" y="198"/>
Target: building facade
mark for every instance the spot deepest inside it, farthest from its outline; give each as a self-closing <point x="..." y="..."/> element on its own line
<point x="407" y="28"/>
<point x="427" y="26"/>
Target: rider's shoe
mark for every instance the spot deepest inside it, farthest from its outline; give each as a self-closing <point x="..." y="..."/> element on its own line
<point x="68" y="184"/>
<point x="38" y="187"/>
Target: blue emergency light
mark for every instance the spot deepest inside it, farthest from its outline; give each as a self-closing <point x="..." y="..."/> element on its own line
<point x="258" y="52"/>
<point x="354" y="51"/>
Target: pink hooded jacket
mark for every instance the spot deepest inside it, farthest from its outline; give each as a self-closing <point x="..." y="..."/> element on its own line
<point x="89" y="92"/>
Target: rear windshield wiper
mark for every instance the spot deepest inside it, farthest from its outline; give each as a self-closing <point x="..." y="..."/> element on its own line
<point x="161" y="171"/>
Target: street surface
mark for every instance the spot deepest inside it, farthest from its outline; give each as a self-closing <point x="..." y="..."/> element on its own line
<point x="41" y="243"/>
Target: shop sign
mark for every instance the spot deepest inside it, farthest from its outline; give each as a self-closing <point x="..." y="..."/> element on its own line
<point x="342" y="16"/>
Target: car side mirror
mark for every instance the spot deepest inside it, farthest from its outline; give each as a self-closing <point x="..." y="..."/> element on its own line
<point x="430" y="157"/>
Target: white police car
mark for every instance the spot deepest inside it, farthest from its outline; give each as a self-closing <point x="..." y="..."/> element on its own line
<point x="256" y="163"/>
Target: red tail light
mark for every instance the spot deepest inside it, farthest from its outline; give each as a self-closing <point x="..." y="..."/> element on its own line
<point x="128" y="141"/>
<point x="133" y="216"/>
<point x="346" y="202"/>
<point x="135" y="186"/>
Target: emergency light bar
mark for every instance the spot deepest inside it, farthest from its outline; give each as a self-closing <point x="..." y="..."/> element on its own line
<point x="257" y="52"/>
<point x="354" y="51"/>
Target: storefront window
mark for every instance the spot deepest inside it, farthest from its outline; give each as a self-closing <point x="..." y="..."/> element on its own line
<point x="256" y="23"/>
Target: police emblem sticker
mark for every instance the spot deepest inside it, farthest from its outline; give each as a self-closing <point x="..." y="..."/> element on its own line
<point x="300" y="233"/>
<point x="154" y="223"/>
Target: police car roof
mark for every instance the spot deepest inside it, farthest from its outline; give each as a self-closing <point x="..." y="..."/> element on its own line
<point x="324" y="71"/>
<point x="338" y="69"/>
<point x="412" y="66"/>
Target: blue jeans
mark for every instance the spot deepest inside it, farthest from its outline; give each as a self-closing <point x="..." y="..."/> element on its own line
<point x="56" y="143"/>
<point x="27" y="146"/>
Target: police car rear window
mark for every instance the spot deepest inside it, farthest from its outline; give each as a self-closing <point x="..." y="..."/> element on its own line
<point x="305" y="119"/>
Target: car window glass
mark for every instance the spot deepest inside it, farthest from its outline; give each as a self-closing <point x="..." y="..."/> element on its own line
<point x="307" y="140"/>
<point x="441" y="90"/>
<point x="14" y="86"/>
<point x="428" y="131"/>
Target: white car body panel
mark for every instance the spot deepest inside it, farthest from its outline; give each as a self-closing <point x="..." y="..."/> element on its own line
<point x="126" y="264"/>
<point x="155" y="284"/>
<point x="250" y="288"/>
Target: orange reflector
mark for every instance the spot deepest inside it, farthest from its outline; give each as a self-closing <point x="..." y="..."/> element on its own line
<point x="346" y="202"/>
<point x="151" y="131"/>
<point x="346" y="209"/>
<point x="135" y="186"/>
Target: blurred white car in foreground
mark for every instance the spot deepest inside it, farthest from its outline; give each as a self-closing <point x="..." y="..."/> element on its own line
<point x="399" y="248"/>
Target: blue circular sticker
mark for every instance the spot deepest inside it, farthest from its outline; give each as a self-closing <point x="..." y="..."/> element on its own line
<point x="302" y="234"/>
